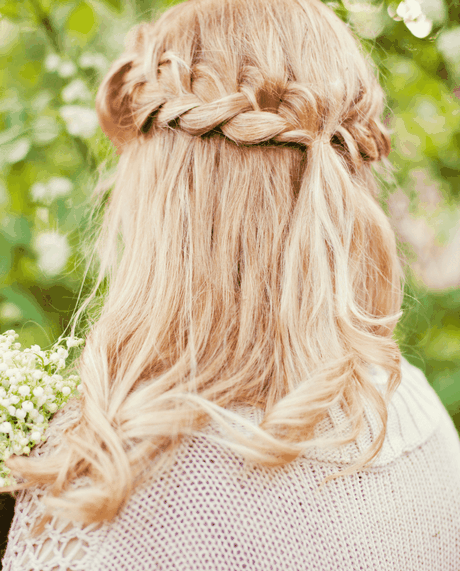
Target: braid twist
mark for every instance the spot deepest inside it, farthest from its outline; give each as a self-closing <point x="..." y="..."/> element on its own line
<point x="194" y="100"/>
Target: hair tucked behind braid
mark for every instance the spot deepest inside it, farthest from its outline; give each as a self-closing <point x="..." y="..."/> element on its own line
<point x="247" y="259"/>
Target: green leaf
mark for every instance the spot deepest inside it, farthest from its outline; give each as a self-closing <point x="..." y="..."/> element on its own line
<point x="114" y="4"/>
<point x="26" y="304"/>
<point x="5" y="258"/>
<point x="11" y="9"/>
<point x="82" y="22"/>
<point x="16" y="230"/>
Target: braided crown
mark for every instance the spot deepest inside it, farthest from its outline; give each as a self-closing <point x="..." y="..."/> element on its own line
<point x="262" y="110"/>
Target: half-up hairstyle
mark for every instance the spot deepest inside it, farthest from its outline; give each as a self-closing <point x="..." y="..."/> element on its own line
<point x="246" y="257"/>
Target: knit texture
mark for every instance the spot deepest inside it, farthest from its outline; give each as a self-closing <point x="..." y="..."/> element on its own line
<point x="207" y="513"/>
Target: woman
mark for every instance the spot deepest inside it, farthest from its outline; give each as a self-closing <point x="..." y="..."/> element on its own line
<point x="243" y="355"/>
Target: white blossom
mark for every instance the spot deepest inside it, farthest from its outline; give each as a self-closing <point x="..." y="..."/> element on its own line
<point x="96" y="61"/>
<point x="56" y="187"/>
<point x="28" y="405"/>
<point x="12" y="410"/>
<point x="76" y="90"/>
<point x="80" y="121"/>
<point x="21" y="414"/>
<point x="52" y="62"/>
<point x="67" y="69"/>
<point x="416" y="21"/>
<point x="6" y="427"/>
<point x="38" y="391"/>
<point x="24" y="390"/>
<point x="66" y="391"/>
<point x="53" y="250"/>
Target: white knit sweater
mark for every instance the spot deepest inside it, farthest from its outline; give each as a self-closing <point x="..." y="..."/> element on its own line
<point x="401" y="514"/>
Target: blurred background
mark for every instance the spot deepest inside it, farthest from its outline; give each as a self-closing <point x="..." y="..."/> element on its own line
<point x="53" y="54"/>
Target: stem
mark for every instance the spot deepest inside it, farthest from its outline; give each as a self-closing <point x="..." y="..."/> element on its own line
<point x="45" y="21"/>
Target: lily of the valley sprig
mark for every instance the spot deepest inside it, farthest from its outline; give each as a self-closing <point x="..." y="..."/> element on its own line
<point x="31" y="391"/>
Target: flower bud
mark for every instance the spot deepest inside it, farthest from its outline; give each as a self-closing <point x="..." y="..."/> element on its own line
<point x="66" y="391"/>
<point x="37" y="375"/>
<point x="38" y="391"/>
<point x="63" y="353"/>
<point x="24" y="441"/>
<point x="21" y="414"/>
<point x="3" y="367"/>
<point x="52" y="407"/>
<point x="14" y="399"/>
<point x="27" y="405"/>
<point x="26" y="450"/>
<point x="35" y="436"/>
<point x="12" y="410"/>
<point x="6" y="427"/>
<point x="24" y="390"/>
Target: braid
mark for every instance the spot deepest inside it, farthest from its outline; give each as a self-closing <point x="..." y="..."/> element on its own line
<point x="192" y="98"/>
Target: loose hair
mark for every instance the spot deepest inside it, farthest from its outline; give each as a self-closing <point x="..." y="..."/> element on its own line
<point x="244" y="255"/>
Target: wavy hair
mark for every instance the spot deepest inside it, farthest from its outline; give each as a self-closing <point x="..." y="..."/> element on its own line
<point x="245" y="255"/>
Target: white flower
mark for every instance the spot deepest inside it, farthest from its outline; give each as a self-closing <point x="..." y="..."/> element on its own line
<point x="67" y="69"/>
<point x="12" y="410"/>
<point x="54" y="358"/>
<point x="66" y="391"/>
<point x="2" y="393"/>
<point x="96" y="61"/>
<point x="54" y="188"/>
<point x="35" y="436"/>
<point x="21" y="414"/>
<point x="37" y="375"/>
<point x="411" y="12"/>
<point x="24" y="390"/>
<point x="27" y="405"/>
<point x="14" y="399"/>
<point x="63" y="353"/>
<point x="80" y="121"/>
<point x="10" y="311"/>
<point x="40" y="418"/>
<point x="3" y="367"/>
<point x="52" y="407"/>
<point x="53" y="250"/>
<point x="24" y="441"/>
<point x="6" y="427"/>
<point x="5" y="402"/>
<point x="74" y="342"/>
<point x="18" y="150"/>
<point x="33" y="413"/>
<point x="26" y="450"/>
<point x="59" y="186"/>
<point x="80" y="388"/>
<point x="76" y="90"/>
<point x="38" y="391"/>
<point x="52" y="62"/>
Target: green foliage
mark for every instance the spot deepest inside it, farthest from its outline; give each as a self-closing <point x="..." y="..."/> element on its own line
<point x="53" y="54"/>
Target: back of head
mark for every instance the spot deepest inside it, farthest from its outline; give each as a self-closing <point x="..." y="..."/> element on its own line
<point x="208" y="65"/>
<point x="247" y="258"/>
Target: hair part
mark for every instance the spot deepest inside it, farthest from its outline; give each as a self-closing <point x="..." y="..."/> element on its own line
<point x="246" y="256"/>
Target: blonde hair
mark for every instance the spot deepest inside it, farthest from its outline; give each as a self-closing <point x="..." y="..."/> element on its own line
<point x="245" y="255"/>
